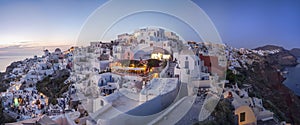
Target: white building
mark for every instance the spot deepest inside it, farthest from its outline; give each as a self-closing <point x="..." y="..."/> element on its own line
<point x="171" y="36"/>
<point x="189" y="66"/>
<point x="96" y="44"/>
<point x="144" y="36"/>
<point x="118" y="51"/>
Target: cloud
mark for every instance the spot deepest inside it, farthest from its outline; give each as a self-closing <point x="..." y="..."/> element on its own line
<point x="16" y="50"/>
<point x="33" y="43"/>
<point x="10" y="47"/>
<point x="28" y="48"/>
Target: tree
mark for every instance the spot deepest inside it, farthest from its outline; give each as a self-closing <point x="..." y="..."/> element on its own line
<point x="152" y="63"/>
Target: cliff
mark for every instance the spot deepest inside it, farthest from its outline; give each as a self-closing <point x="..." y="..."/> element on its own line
<point x="54" y="87"/>
<point x="267" y="84"/>
<point x="4" y="84"/>
<point x="12" y="66"/>
<point x="270" y="47"/>
<point x="295" y="52"/>
<point x="3" y="117"/>
<point x="282" y="58"/>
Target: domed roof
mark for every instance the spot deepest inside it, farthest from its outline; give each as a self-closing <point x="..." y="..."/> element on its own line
<point x="57" y="50"/>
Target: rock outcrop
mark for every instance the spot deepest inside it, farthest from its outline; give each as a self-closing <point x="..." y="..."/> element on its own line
<point x="12" y="66"/>
<point x="282" y="58"/>
<point x="54" y="87"/>
<point x="270" y="47"/>
<point x="266" y="81"/>
<point x="295" y="52"/>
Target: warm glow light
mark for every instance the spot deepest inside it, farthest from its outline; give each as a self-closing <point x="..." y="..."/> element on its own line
<point x="132" y="65"/>
<point x="159" y="56"/>
<point x="18" y="87"/>
<point x="166" y="56"/>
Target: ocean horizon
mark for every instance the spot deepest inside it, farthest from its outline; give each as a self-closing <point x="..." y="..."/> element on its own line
<point x="7" y="60"/>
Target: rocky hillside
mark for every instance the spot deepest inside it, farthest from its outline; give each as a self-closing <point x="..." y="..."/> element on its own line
<point x="282" y="58"/>
<point x="12" y="66"/>
<point x="222" y="115"/>
<point x="267" y="84"/>
<point x="295" y="52"/>
<point x="54" y="87"/>
<point x="5" y="118"/>
<point x="4" y="82"/>
<point x="270" y="47"/>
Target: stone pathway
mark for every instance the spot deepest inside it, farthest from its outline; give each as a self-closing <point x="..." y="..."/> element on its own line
<point x="191" y="117"/>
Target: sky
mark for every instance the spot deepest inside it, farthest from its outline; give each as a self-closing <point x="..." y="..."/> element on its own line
<point x="33" y="25"/>
<point x="253" y="23"/>
<point x="28" y="26"/>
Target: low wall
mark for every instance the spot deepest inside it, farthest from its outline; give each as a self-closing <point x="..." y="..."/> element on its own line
<point x="155" y="105"/>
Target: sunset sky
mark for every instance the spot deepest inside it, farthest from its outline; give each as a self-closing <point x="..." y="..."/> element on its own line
<point x="27" y="26"/>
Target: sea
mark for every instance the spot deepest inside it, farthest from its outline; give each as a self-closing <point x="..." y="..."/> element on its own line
<point x="293" y="78"/>
<point x="7" y="60"/>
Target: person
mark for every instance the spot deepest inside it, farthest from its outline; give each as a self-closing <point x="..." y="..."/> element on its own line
<point x="37" y="102"/>
<point x="42" y="106"/>
<point x="23" y="110"/>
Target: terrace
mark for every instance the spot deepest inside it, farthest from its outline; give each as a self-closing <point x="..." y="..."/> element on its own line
<point x="138" y="68"/>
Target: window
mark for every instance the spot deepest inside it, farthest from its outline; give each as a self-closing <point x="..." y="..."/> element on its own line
<point x="188" y="71"/>
<point x="242" y="117"/>
<point x="102" y="102"/>
<point x="186" y="58"/>
<point x="186" y="64"/>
